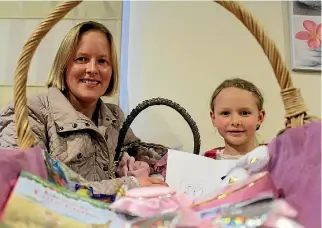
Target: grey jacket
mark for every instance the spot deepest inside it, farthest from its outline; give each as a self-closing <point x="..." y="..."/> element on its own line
<point x="72" y="138"/>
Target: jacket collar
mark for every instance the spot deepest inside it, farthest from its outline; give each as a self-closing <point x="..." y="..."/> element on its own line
<point x="67" y="118"/>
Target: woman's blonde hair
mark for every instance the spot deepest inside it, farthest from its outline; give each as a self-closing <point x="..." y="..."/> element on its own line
<point x="67" y="49"/>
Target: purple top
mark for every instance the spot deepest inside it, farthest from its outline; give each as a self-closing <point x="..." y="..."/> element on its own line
<point x="295" y="167"/>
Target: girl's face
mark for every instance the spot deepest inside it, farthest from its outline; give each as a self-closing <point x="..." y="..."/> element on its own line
<point x="236" y="116"/>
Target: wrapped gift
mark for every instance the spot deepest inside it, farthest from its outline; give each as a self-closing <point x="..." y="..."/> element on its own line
<point x="261" y="211"/>
<point x="12" y="161"/>
<point x="44" y="204"/>
<point x="161" y="221"/>
<point x="147" y="202"/>
<point x="252" y="187"/>
<point x="61" y="175"/>
<point x="55" y="172"/>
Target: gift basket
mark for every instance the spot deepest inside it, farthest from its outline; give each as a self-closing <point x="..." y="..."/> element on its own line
<point x="42" y="195"/>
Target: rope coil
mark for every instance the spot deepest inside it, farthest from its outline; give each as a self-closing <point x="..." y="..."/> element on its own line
<point x="293" y="102"/>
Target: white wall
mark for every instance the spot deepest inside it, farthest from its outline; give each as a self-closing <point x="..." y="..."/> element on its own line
<point x="183" y="50"/>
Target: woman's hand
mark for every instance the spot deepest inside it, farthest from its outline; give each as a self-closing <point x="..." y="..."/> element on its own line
<point x="128" y="166"/>
<point x="150" y="181"/>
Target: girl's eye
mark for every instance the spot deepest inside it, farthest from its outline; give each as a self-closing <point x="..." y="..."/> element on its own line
<point x="245" y="113"/>
<point x="225" y="113"/>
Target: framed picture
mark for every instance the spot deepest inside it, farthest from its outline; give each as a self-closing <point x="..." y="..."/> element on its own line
<point x="305" y="26"/>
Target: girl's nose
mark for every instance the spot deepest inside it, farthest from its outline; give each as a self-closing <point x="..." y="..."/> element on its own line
<point x="235" y="120"/>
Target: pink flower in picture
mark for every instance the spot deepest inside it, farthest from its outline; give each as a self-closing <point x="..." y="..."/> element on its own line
<point x="312" y="34"/>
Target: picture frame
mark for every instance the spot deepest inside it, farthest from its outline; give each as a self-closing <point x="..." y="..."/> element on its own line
<point x="305" y="35"/>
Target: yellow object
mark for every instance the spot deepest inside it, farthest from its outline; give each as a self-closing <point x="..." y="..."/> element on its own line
<point x="83" y="192"/>
<point x="232" y="180"/>
<point x="253" y="160"/>
<point x="121" y="191"/>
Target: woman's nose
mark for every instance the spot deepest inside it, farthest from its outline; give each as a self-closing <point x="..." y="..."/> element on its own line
<point x="91" y="67"/>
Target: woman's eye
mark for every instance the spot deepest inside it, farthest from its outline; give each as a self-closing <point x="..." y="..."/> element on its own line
<point x="80" y="59"/>
<point x="101" y="61"/>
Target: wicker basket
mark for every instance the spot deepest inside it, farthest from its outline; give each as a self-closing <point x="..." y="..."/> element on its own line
<point x="293" y="103"/>
<point x="144" y="105"/>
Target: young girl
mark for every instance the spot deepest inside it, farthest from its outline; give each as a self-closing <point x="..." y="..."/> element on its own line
<point x="237" y="113"/>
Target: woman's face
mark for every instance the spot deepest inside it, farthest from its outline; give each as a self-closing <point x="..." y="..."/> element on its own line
<point x="89" y="71"/>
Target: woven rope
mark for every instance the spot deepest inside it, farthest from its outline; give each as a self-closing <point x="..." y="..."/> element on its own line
<point x="24" y="133"/>
<point x="295" y="109"/>
<point x="295" y="114"/>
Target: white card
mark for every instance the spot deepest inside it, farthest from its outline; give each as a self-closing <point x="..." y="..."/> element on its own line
<point x="195" y="175"/>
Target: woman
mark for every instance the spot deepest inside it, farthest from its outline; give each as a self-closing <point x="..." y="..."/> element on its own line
<point x="70" y="121"/>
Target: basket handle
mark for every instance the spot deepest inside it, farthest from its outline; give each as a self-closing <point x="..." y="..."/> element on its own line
<point x="295" y="109"/>
<point x="153" y="102"/>
<point x="293" y="102"/>
<point x="24" y="133"/>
